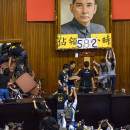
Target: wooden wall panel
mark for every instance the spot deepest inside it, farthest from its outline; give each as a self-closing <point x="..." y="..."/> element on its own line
<point x="39" y="40"/>
<point x="121" y="44"/>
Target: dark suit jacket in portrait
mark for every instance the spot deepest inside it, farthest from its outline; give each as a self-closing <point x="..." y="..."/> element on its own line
<point x="74" y="27"/>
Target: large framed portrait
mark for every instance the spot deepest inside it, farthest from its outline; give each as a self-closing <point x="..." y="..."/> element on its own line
<point x="83" y="17"/>
<point x="67" y="10"/>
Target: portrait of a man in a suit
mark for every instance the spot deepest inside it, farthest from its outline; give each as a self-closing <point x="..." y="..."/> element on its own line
<point x="83" y="12"/>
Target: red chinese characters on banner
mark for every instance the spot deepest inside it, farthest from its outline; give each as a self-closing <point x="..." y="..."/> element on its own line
<point x="120" y="9"/>
<point x="40" y="10"/>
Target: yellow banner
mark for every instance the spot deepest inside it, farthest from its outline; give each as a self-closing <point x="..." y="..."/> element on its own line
<point x="103" y="40"/>
<point x="66" y="41"/>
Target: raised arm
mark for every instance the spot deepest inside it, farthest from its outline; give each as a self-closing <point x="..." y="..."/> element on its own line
<point x="59" y="82"/>
<point x="100" y="125"/>
<point x="34" y="103"/>
<point x="9" y="62"/>
<point x="55" y="93"/>
<point x="95" y="69"/>
<point x="64" y="121"/>
<point x="75" y="94"/>
<point x="72" y="91"/>
<point x="109" y="125"/>
<point x="98" y="65"/>
<point x="106" y="55"/>
<point x="66" y="89"/>
<point x="45" y="104"/>
<point x="93" y="84"/>
<point x="113" y="53"/>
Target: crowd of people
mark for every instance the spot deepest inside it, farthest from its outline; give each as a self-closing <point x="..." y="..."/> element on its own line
<point x="67" y="77"/>
<point x="106" y="78"/>
<point x="9" y="53"/>
<point x="13" y="126"/>
<point x="66" y="109"/>
<point x="66" y="96"/>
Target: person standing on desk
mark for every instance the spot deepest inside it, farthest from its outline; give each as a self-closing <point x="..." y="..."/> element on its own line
<point x="63" y="77"/>
<point x="72" y="76"/>
<point x="111" y="64"/>
<point x="22" y="57"/>
<point x="83" y="11"/>
<point x="86" y="79"/>
<point x="103" y="76"/>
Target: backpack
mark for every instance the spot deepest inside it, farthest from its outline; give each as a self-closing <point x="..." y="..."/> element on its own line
<point x="68" y="112"/>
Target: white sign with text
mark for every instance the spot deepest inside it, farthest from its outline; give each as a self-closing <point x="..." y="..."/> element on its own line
<point x="84" y="43"/>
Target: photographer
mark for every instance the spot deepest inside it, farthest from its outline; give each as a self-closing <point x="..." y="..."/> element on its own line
<point x="105" y="125"/>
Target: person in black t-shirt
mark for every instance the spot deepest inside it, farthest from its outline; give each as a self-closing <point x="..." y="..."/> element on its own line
<point x="60" y="97"/>
<point x="49" y="122"/>
<point x="4" y="57"/>
<point x="86" y="77"/>
<point x="40" y="111"/>
<point x="72" y="75"/>
<point x="4" y="79"/>
<point x="44" y="114"/>
<point x="63" y="76"/>
<point x="22" y="56"/>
